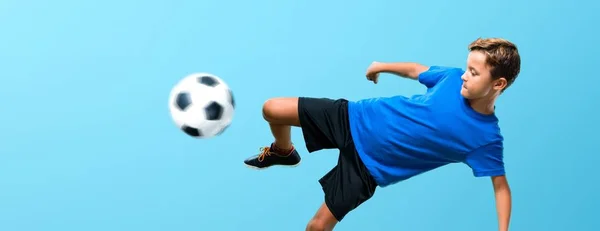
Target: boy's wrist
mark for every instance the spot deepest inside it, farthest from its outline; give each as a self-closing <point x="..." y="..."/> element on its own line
<point x="381" y="67"/>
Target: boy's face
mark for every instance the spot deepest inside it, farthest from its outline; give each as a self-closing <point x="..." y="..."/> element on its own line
<point x="477" y="79"/>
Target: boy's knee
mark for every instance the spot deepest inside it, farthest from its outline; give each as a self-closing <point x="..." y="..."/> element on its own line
<point x="316" y="225"/>
<point x="269" y="109"/>
<point x="281" y="111"/>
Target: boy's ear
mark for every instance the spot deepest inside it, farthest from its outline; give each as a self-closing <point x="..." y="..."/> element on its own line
<point x="500" y="83"/>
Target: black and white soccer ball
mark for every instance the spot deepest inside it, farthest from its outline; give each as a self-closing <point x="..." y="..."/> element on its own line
<point x="202" y="105"/>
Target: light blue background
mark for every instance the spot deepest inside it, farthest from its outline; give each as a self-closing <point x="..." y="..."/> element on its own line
<point x="86" y="141"/>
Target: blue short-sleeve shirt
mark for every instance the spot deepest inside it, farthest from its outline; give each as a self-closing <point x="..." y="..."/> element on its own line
<point x="400" y="137"/>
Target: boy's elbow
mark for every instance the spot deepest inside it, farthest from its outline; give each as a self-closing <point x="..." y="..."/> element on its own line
<point x="417" y="70"/>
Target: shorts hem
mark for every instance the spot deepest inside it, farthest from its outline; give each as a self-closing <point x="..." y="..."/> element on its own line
<point x="337" y="217"/>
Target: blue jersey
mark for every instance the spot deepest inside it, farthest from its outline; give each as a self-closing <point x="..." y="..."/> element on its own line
<point x="400" y="137"/>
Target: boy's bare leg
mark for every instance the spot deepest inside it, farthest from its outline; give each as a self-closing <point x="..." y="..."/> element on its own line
<point x="323" y="220"/>
<point x="282" y="113"/>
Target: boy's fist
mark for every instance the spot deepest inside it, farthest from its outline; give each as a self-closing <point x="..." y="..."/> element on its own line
<point x="373" y="72"/>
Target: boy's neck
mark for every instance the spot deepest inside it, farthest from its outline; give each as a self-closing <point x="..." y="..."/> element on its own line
<point x="483" y="105"/>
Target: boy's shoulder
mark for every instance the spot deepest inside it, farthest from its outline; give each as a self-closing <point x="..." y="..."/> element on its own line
<point x="442" y="71"/>
<point x="437" y="74"/>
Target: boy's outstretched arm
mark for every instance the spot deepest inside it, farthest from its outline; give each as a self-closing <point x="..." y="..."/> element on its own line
<point x="409" y="70"/>
<point x="503" y="201"/>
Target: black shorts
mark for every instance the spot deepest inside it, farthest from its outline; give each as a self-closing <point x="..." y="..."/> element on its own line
<point x="324" y="124"/>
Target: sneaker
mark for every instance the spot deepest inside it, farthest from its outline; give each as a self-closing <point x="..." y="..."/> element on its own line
<point x="269" y="157"/>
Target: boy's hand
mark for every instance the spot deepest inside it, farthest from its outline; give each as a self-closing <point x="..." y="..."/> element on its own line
<point x="373" y="72"/>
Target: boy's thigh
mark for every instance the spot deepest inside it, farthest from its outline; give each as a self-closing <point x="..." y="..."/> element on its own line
<point x="324" y="123"/>
<point x="348" y="184"/>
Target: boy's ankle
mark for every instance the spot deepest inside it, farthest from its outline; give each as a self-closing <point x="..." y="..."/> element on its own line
<point x="282" y="149"/>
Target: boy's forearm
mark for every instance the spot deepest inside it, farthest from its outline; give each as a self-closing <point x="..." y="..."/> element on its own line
<point x="403" y="69"/>
<point x="503" y="206"/>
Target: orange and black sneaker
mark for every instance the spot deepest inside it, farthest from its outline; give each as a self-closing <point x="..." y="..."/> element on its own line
<point x="272" y="155"/>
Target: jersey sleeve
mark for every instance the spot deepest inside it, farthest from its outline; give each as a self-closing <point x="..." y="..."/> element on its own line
<point x="433" y="75"/>
<point x="487" y="160"/>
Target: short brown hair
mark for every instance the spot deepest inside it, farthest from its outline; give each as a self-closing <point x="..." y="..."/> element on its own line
<point x="502" y="56"/>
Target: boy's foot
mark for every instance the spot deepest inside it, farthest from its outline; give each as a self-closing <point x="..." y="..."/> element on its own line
<point x="270" y="156"/>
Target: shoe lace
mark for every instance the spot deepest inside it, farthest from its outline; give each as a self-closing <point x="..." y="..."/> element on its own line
<point x="264" y="152"/>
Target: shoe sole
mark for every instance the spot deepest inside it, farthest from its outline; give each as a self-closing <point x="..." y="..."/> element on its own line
<point x="276" y="165"/>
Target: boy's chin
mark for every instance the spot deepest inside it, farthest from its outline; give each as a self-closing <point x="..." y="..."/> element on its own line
<point x="464" y="93"/>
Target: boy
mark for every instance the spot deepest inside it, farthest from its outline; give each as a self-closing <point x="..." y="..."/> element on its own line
<point x="386" y="140"/>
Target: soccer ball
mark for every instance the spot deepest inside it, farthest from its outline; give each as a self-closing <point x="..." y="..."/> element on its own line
<point x="201" y="105"/>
